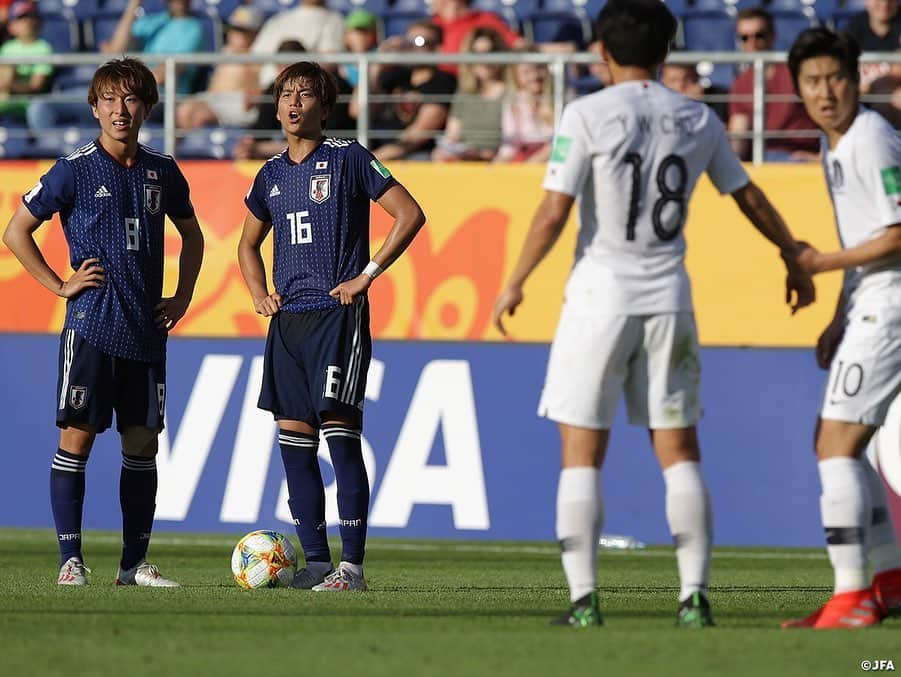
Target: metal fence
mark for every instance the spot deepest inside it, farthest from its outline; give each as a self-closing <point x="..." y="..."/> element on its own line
<point x="556" y="62"/>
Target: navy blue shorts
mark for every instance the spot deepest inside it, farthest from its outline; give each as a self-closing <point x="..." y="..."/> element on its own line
<point x="91" y="384"/>
<point x="316" y="363"/>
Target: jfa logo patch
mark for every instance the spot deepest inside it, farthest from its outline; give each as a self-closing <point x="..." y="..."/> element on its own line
<point x="152" y="198"/>
<point x="320" y="187"/>
<point x="78" y="396"/>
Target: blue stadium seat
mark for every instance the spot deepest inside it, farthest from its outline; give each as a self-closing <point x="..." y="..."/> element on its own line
<point x="74" y="76"/>
<point x="503" y="8"/>
<point x="61" y="32"/>
<point x="401" y="13"/>
<point x="273" y="6"/>
<point x="153" y="135"/>
<point x="709" y="31"/>
<point x="216" y="8"/>
<point x="118" y="6"/>
<point x="78" y="9"/>
<point x="789" y="23"/>
<point x="14" y="141"/>
<point x="552" y="26"/>
<point x="209" y="144"/>
<point x="708" y="5"/>
<point x="61" y="142"/>
<point x="593" y="7"/>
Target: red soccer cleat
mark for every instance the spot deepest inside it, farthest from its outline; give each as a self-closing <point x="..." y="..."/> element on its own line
<point x="887" y="591"/>
<point x="857" y="609"/>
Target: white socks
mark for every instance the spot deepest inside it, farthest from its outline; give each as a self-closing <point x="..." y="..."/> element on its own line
<point x="882" y="549"/>
<point x="845" y="506"/>
<point x="580" y="517"/>
<point x="690" y="519"/>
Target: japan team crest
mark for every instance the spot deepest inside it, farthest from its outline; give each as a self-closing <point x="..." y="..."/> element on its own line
<point x="78" y="396"/>
<point x="153" y="197"/>
<point x="320" y="188"/>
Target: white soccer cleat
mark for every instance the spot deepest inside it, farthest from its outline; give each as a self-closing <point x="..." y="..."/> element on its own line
<point x="73" y="572"/>
<point x="145" y="575"/>
<point x="342" y="579"/>
<point x="307" y="579"/>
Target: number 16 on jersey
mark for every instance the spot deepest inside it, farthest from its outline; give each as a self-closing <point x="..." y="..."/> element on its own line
<point x="301" y="229"/>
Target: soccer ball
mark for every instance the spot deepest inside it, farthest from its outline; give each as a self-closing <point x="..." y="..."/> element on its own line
<point x="264" y="559"/>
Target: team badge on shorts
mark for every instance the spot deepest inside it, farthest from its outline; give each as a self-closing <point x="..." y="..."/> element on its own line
<point x="152" y="198"/>
<point x="78" y="396"/>
<point x="320" y="187"/>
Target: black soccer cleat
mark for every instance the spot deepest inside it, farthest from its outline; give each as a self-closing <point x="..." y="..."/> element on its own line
<point x="694" y="612"/>
<point x="584" y="613"/>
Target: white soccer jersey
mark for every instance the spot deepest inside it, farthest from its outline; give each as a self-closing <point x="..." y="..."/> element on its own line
<point x="864" y="177"/>
<point x="632" y="154"/>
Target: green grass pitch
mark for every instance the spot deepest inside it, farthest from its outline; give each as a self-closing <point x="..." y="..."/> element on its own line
<point x="434" y="608"/>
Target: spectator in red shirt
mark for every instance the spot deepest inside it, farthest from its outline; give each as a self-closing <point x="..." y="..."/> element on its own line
<point x="456" y="20"/>
<point x="756" y="33"/>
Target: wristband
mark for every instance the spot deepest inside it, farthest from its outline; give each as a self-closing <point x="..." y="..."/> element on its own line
<point x="373" y="270"/>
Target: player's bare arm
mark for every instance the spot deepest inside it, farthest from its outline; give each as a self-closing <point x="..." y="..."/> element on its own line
<point x="886" y="247"/>
<point x="170" y="310"/>
<point x="547" y="224"/>
<point x="760" y="211"/>
<point x="19" y="237"/>
<point x="252" y="267"/>
<point x="408" y="219"/>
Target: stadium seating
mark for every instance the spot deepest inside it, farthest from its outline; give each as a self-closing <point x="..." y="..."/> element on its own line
<point x="401" y="13"/>
<point x="506" y="9"/>
<point x="61" y="32"/>
<point x="118" y="6"/>
<point x="789" y="23"/>
<point x="558" y="26"/>
<point x="13" y="139"/>
<point x="215" y="8"/>
<point x="61" y="142"/>
<point x="209" y="144"/>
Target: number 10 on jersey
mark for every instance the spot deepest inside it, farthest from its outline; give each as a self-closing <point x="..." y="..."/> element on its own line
<point x="301" y="230"/>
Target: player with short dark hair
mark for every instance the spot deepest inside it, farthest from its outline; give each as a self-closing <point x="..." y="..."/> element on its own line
<point x="632" y="154"/>
<point x="112" y="196"/>
<point x="861" y="347"/>
<point x="315" y="198"/>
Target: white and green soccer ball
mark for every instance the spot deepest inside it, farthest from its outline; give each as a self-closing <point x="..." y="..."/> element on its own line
<point x="264" y="559"/>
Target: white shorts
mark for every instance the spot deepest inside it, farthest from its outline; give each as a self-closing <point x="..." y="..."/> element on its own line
<point x="654" y="358"/>
<point x="865" y="376"/>
<point x="230" y="109"/>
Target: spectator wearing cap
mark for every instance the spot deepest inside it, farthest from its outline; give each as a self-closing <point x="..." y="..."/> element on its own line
<point x="457" y="19"/>
<point x="783" y="110"/>
<point x="25" y="79"/>
<point x="318" y="29"/>
<point x="174" y="31"/>
<point x="361" y="34"/>
<point x="226" y="100"/>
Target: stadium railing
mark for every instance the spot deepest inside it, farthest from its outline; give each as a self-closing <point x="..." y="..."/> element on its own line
<point x="556" y="62"/>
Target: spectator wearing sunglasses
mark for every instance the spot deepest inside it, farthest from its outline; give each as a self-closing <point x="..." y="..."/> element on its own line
<point x="755" y="32"/>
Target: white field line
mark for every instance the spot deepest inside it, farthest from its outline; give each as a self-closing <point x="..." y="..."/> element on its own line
<point x="487" y="548"/>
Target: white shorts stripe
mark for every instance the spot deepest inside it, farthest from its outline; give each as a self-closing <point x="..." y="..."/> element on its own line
<point x="353" y="364"/>
<point x="68" y="353"/>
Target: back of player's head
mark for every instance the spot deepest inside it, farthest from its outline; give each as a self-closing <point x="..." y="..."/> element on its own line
<point x="309" y="75"/>
<point x="821" y="41"/>
<point x="124" y="76"/>
<point x="636" y="32"/>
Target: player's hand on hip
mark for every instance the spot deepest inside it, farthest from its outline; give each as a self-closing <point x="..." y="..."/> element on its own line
<point x="169" y="311"/>
<point x="347" y="291"/>
<point x="828" y="343"/>
<point x="89" y="274"/>
<point x="268" y="305"/>
<point x="507" y="302"/>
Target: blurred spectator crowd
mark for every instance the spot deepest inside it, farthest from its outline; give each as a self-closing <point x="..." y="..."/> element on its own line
<point x="416" y="111"/>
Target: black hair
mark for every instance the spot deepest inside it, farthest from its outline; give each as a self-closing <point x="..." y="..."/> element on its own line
<point x="636" y="32"/>
<point x="821" y="41"/>
<point x="758" y="13"/>
<point x="317" y="79"/>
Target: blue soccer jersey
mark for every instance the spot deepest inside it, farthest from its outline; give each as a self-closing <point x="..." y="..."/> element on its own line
<point x="115" y="214"/>
<point x="319" y="211"/>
